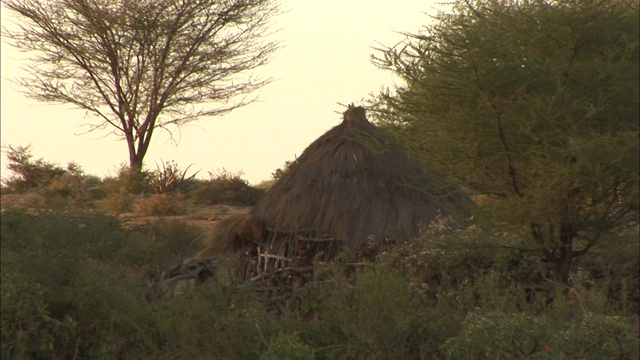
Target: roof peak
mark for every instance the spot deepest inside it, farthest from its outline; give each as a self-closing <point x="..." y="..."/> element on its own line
<point x="354" y="113"/>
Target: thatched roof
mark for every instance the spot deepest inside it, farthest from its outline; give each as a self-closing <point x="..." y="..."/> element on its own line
<point x="353" y="184"/>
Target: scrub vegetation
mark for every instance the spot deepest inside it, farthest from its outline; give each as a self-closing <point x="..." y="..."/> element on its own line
<point x="75" y="285"/>
<point x="529" y="106"/>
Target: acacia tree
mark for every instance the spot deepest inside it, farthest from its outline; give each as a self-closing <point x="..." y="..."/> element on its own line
<point x="533" y="104"/>
<point x="139" y="66"/>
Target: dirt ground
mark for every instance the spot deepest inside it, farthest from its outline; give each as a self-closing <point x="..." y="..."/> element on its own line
<point x="204" y="216"/>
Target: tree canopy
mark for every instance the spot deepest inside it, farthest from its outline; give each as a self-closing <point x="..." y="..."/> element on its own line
<point x="533" y="104"/>
<point x="138" y="66"/>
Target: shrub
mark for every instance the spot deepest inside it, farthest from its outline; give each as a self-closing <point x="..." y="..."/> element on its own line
<point x="56" y="186"/>
<point x="266" y="184"/>
<point x="95" y="188"/>
<point x="134" y="181"/>
<point x="71" y="287"/>
<point x="228" y="189"/>
<point x="172" y="179"/>
<point x="288" y="346"/>
<point x="372" y="314"/>
<point x="28" y="174"/>
<point x="500" y="336"/>
<point x="159" y="205"/>
<point x="280" y="172"/>
<point x="28" y="329"/>
<point x="520" y="336"/>
<point x="66" y="189"/>
<point x="117" y="202"/>
<point x="61" y="290"/>
<point x="164" y="243"/>
<point x="599" y="337"/>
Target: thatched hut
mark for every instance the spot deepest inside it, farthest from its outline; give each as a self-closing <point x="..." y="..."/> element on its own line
<point x="352" y="188"/>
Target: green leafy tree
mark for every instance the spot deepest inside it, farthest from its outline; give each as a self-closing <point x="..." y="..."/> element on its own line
<point x="140" y="66"/>
<point x="532" y="104"/>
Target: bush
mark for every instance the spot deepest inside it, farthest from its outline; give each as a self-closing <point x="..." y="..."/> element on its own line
<point x="280" y="172"/>
<point x="373" y="314"/>
<point x="227" y="189"/>
<point x="520" y="336"/>
<point x="266" y="184"/>
<point x="117" y="202"/>
<point x="288" y="346"/>
<point x="159" y="205"/>
<point x="163" y="244"/>
<point x="72" y="287"/>
<point x="63" y="301"/>
<point x="134" y="181"/>
<point x="28" y="329"/>
<point x="28" y="174"/>
<point x="55" y="186"/>
<point x="171" y="179"/>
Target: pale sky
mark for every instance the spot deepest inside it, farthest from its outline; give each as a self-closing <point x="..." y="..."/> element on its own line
<point x="325" y="60"/>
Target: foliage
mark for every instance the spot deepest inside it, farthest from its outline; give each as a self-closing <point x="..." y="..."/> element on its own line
<point x="134" y="181"/>
<point x="520" y="336"/>
<point x="163" y="244"/>
<point x="56" y="186"/>
<point x="117" y="202"/>
<point x="72" y="286"/>
<point x="532" y="105"/>
<point x="172" y="179"/>
<point x="227" y="188"/>
<point x="140" y="67"/>
<point x="266" y="184"/>
<point x="27" y="325"/>
<point x="53" y="268"/>
<point x="288" y="346"/>
<point x="29" y="174"/>
<point x="159" y="205"/>
<point x="278" y="173"/>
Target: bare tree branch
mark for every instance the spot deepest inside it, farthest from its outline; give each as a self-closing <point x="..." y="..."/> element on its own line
<point x="138" y="66"/>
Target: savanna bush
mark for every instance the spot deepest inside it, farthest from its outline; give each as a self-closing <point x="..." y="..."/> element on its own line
<point x="28" y="174"/>
<point x="117" y="201"/>
<point x="172" y="179"/>
<point x="134" y="181"/>
<point x="71" y="288"/>
<point x="288" y="346"/>
<point x="61" y="299"/>
<point x="519" y="336"/>
<point x="226" y="188"/>
<point x="163" y="243"/>
<point x="54" y="185"/>
<point x="371" y="313"/>
<point x="164" y="204"/>
<point x="27" y="327"/>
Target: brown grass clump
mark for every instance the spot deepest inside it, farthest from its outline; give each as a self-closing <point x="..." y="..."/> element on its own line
<point x="241" y="231"/>
<point x="159" y="205"/>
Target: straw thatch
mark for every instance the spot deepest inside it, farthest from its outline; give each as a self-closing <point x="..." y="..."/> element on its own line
<point x="354" y="186"/>
<point x="351" y="188"/>
<point x="237" y="232"/>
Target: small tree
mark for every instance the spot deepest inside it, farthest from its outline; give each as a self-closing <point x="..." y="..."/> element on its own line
<point x="29" y="174"/>
<point x="139" y="66"/>
<point x="534" y="104"/>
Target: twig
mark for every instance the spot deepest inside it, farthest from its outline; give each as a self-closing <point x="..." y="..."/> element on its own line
<point x="281" y="270"/>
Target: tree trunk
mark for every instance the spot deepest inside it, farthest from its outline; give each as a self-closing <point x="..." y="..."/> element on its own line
<point x="561" y="253"/>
